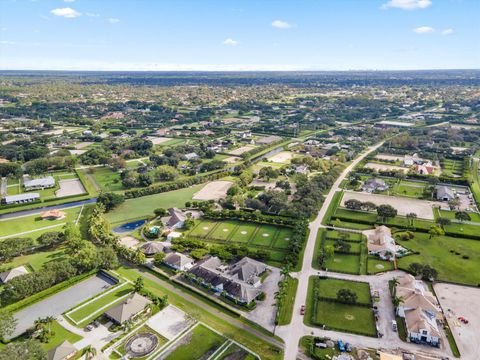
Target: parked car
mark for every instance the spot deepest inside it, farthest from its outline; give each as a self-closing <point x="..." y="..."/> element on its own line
<point x="348" y="347"/>
<point x="394" y="325"/>
<point x="341" y="347"/>
<point x="89" y="327"/>
<point x="462" y="319"/>
<point x="302" y="310"/>
<point x="96" y="323"/>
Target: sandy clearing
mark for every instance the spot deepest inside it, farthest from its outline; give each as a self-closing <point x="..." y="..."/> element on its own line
<point x="242" y="150"/>
<point x="129" y="241"/>
<point x="385" y="167"/>
<point x="214" y="190"/>
<point x="281" y="157"/>
<point x="70" y="187"/>
<point x="423" y="208"/>
<point x="157" y="140"/>
<point x="82" y="145"/>
<point x="388" y="157"/>
<point x="77" y="152"/>
<point x="169" y="322"/>
<point x="462" y="301"/>
<point x="396" y="123"/>
<point x="231" y="159"/>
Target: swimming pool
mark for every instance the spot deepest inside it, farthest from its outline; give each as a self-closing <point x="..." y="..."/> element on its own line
<point x="130" y="226"/>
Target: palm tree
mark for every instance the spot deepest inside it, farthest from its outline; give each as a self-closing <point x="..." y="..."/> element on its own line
<point x="395" y="282"/>
<point x="90" y="352"/>
<point x="411" y="218"/>
<point x="397" y="301"/>
<point x="285" y="272"/>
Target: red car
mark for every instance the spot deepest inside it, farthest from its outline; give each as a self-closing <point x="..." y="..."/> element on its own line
<point x="302" y="310"/>
<point x="462" y="319"/>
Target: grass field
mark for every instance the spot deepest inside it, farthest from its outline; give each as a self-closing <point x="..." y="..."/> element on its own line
<point x="61" y="334"/>
<point x="329" y="287"/>
<point x="452" y="167"/>
<point x="475" y="217"/>
<point x="345" y="263"/>
<point x="244" y="232"/>
<point x="143" y="207"/>
<point x="337" y="316"/>
<point x="107" y="179"/>
<point x="27" y="223"/>
<point x="203" y="228"/>
<point x="410" y="189"/>
<point x="285" y="311"/>
<point x="84" y="314"/>
<point x="445" y="254"/>
<point x="36" y="260"/>
<point x="376" y="265"/>
<point x="264" y="236"/>
<point x="283" y="238"/>
<point x="236" y="352"/>
<point x="224" y="230"/>
<point x="197" y="344"/>
<point x="354" y="246"/>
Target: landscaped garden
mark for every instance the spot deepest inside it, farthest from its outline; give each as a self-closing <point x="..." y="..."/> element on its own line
<point x="347" y="309"/>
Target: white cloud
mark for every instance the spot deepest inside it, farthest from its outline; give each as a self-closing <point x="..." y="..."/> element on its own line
<point x="280" y="24"/>
<point x="5" y="42"/>
<point x="65" y="12"/>
<point x="69" y="1"/>
<point x="424" y="30"/>
<point x="407" y="4"/>
<point x="89" y="14"/>
<point x="230" y="41"/>
<point x="113" y="20"/>
<point x="448" y="31"/>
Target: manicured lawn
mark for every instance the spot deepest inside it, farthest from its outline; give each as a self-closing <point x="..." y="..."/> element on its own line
<point x="203" y="228"/>
<point x="36" y="260"/>
<point x="224" y="230"/>
<point x="285" y="311"/>
<point x="87" y="312"/>
<point x="475" y="217"/>
<point x="282" y="241"/>
<point x="343" y="263"/>
<point x="445" y="254"/>
<point x="329" y="287"/>
<point x="334" y="234"/>
<point x="349" y="318"/>
<point x="61" y="334"/>
<point x="143" y="206"/>
<point x="236" y="352"/>
<point x="463" y="229"/>
<point x="161" y="340"/>
<point x="33" y="222"/>
<point x="264" y="235"/>
<point x="411" y="190"/>
<point x="375" y="265"/>
<point x="107" y="179"/>
<point x="354" y="247"/>
<point x="264" y="349"/>
<point x="244" y="232"/>
<point x="200" y="341"/>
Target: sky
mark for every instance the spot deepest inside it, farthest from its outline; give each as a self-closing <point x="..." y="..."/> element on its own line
<point x="239" y="34"/>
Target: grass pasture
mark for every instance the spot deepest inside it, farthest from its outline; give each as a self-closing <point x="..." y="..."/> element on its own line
<point x="224" y="230"/>
<point x="199" y="343"/>
<point x="106" y="178"/>
<point x="452" y="167"/>
<point x="264" y="236"/>
<point x="329" y="287"/>
<point x="376" y="265"/>
<point x="343" y="263"/>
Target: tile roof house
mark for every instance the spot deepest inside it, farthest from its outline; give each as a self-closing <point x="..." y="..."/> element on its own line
<point x="178" y="261"/>
<point x="240" y="282"/>
<point x="381" y="243"/>
<point x="62" y="352"/>
<point x="53" y="215"/>
<point x="374" y="184"/>
<point x="128" y="308"/>
<point x="444" y="193"/>
<point x="151" y="248"/>
<point x="420" y="309"/>
<point x="191" y="156"/>
<point x="177" y="218"/>
<point x="424" y="169"/>
<point x="8" y="275"/>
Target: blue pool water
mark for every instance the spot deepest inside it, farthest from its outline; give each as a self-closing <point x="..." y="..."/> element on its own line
<point x="129" y="226"/>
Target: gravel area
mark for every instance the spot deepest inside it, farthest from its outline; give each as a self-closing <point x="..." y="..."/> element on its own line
<point x="214" y="190"/>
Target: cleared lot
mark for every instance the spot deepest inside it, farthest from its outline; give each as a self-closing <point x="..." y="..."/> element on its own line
<point x="70" y="187"/>
<point x="385" y="167"/>
<point x="242" y="150"/>
<point x="60" y="302"/>
<point x="463" y="301"/>
<point x="281" y="157"/>
<point x="214" y="190"/>
<point x="422" y="208"/>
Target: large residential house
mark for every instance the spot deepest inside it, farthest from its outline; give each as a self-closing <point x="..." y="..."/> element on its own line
<point x="374" y="184"/>
<point x="177" y="218"/>
<point x="178" y="261"/>
<point x="424" y="169"/>
<point x="63" y="351"/>
<point x="239" y="282"/>
<point x="420" y="310"/>
<point x="38" y="184"/>
<point x="381" y="243"/>
<point x="128" y="309"/>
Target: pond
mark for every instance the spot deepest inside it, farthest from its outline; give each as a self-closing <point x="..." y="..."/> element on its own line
<point x="130" y="226"/>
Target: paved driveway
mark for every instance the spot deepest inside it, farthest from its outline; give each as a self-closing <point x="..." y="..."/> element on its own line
<point x="60" y="302"/>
